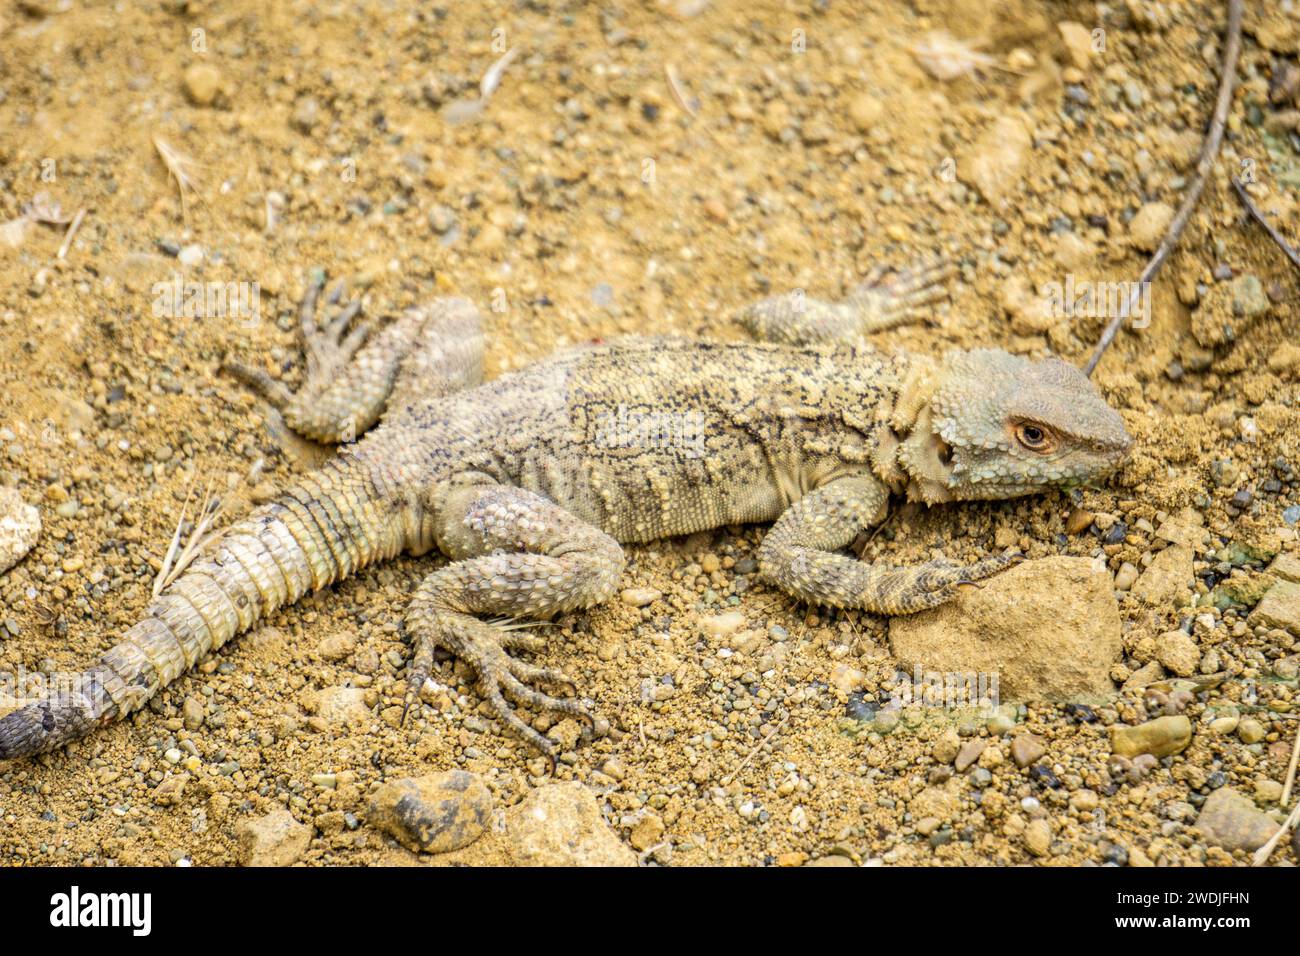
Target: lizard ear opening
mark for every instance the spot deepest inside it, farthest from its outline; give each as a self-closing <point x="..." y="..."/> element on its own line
<point x="943" y="451"/>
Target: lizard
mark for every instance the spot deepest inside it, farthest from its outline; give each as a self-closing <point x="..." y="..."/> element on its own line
<point x="531" y="483"/>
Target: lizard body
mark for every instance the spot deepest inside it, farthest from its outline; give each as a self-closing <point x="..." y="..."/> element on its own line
<point x="530" y="483"/>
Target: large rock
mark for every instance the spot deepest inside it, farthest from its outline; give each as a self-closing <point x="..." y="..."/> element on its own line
<point x="276" y="839"/>
<point x="561" y="825"/>
<point x="1231" y="821"/>
<point x="1167" y="581"/>
<point x="20" y="526"/>
<point x="435" y="813"/>
<point x="1049" y="629"/>
<point x="1280" y="607"/>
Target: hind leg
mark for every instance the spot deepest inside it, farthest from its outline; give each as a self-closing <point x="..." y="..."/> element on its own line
<point x="354" y="373"/>
<point x="517" y="555"/>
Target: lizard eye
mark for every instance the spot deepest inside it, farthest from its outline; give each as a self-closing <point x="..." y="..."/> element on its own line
<point x="1035" y="437"/>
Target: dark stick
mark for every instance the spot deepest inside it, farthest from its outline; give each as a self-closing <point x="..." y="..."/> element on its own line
<point x="1209" y="153"/>
<point x="1259" y="218"/>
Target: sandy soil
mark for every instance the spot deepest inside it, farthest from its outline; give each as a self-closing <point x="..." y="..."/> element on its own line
<point x="585" y="201"/>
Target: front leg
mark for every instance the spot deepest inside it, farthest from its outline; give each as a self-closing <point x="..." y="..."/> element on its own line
<point x="883" y="300"/>
<point x="516" y="555"/>
<point x="799" y="555"/>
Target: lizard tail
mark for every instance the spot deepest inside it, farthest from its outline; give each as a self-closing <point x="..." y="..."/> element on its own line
<point x="327" y="526"/>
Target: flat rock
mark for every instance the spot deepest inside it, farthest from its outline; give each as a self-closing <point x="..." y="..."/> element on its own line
<point x="1186" y="528"/>
<point x="639" y="597"/>
<point x="1232" y="821"/>
<point x="20" y="527"/>
<point x="1149" y="226"/>
<point x="1179" y="652"/>
<point x="561" y="825"/>
<point x="1038" y="837"/>
<point x="202" y="83"/>
<point x="341" y="705"/>
<point x="722" y="625"/>
<point x="996" y="162"/>
<point x="1160" y="737"/>
<point x="1078" y="42"/>
<point x="1286" y="567"/>
<point x="941" y="802"/>
<point x="1280" y="607"/>
<point x="434" y="813"/>
<point x="1026" y="749"/>
<point x="1167" y="581"/>
<point x="276" y="839"/>
<point x="1227" y="309"/>
<point x="1049" y="629"/>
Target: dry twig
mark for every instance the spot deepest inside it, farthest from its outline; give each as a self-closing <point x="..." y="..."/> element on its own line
<point x="1209" y="153"/>
<point x="1264" y="852"/>
<point x="182" y="169"/>
<point x="1268" y="226"/>
<point x="179" y="558"/>
<point x="1290" y="771"/>
<point x="72" y="232"/>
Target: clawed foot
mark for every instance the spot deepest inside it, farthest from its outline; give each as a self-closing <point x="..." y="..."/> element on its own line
<point x="484" y="647"/>
<point x="943" y="579"/>
<point x="908" y="590"/>
<point x="886" y="299"/>
<point x="329" y="348"/>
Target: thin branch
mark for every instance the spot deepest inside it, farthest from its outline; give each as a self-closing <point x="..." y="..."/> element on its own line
<point x="675" y="87"/>
<point x="1259" y="218"/>
<point x="71" y="233"/>
<point x="1290" y="771"/>
<point x="1264" y="852"/>
<point x="1209" y="154"/>
<point x="726" y="781"/>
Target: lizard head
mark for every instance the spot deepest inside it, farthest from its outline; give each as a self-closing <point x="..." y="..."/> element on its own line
<point x="996" y="425"/>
